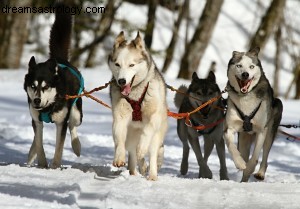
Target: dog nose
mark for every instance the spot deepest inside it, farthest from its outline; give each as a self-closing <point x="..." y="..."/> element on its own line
<point x="37" y="101"/>
<point x="245" y="75"/>
<point x="122" y="82"/>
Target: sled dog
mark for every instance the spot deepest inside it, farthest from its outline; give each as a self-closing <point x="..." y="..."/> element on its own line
<point x="212" y="116"/>
<point x="46" y="85"/>
<point x="252" y="112"/>
<point x="138" y="97"/>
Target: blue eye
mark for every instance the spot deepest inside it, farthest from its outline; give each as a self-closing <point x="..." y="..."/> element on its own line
<point x="251" y="66"/>
<point x="131" y="65"/>
<point x="238" y="66"/>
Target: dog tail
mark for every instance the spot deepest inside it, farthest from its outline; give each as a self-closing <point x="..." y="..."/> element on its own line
<point x="179" y="96"/>
<point x="60" y="35"/>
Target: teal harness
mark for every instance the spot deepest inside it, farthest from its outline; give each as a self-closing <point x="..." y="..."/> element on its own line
<point x="45" y="116"/>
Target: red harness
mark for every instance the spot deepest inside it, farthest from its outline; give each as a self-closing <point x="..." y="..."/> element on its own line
<point x="137" y="105"/>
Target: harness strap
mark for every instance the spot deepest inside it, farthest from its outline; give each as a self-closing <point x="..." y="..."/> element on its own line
<point x="78" y="76"/>
<point x="247" y="125"/>
<point x="137" y="105"/>
<point x="201" y="127"/>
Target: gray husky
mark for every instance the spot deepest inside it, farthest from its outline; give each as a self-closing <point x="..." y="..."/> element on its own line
<point x="199" y="92"/>
<point x="138" y="97"/>
<point x="253" y="113"/>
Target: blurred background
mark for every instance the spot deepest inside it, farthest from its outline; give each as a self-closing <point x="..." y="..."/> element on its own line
<point x="182" y="35"/>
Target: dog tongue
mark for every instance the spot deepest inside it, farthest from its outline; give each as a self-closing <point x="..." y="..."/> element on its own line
<point x="125" y="90"/>
<point x="245" y="85"/>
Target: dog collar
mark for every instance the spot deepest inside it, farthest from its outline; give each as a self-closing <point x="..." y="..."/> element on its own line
<point x="247" y="125"/>
<point x="137" y="105"/>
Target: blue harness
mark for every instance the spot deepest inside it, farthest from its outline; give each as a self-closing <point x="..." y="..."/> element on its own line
<point x="45" y="116"/>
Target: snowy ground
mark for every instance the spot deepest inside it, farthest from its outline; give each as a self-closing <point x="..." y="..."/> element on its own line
<point x="91" y="182"/>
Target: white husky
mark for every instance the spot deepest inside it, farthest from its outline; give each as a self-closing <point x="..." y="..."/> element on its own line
<point x="138" y="96"/>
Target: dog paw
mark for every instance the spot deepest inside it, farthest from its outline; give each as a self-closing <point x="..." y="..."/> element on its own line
<point x="55" y="165"/>
<point x="119" y="163"/>
<point x="152" y="178"/>
<point x="76" y="146"/>
<point x="259" y="176"/>
<point x="240" y="163"/>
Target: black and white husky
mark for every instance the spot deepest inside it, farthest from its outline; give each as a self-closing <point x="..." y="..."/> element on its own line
<point x="46" y="85"/>
<point x="252" y="112"/>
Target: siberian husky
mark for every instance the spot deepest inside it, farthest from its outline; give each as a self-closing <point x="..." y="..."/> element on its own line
<point x="200" y="91"/>
<point x="138" y="96"/>
<point x="252" y="112"/>
<point x="46" y="85"/>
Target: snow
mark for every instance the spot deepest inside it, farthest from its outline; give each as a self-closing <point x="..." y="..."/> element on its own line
<point x="91" y="181"/>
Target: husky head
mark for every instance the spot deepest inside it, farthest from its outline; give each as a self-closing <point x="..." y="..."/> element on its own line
<point x="40" y="83"/>
<point x="202" y="90"/>
<point x="129" y="62"/>
<point x="244" y="70"/>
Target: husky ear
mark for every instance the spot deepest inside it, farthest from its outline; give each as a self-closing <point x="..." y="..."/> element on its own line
<point x="31" y="63"/>
<point x="195" y="76"/>
<point x="138" y="41"/>
<point x="119" y="39"/>
<point x="53" y="65"/>
<point x="211" y="76"/>
<point x="237" y="54"/>
<point x="254" y="51"/>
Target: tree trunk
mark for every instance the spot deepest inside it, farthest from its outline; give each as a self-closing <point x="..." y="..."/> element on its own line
<point x="152" y="5"/>
<point x="103" y="29"/>
<point x="171" y="48"/>
<point x="196" y="47"/>
<point x="268" y="23"/>
<point x="297" y="80"/>
<point x="277" y="61"/>
<point x="13" y="33"/>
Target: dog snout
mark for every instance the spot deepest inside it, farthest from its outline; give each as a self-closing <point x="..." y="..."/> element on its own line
<point x="122" y="82"/>
<point x="37" y="101"/>
<point x="245" y="75"/>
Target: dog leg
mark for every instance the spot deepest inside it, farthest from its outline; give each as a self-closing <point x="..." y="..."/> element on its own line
<point x="254" y="158"/>
<point x="204" y="171"/>
<point x="236" y="155"/>
<point x="32" y="152"/>
<point x="208" y="147"/>
<point x="119" y="135"/>
<point x="244" y="144"/>
<point x="220" y="146"/>
<point x="133" y="136"/>
<point x="38" y="139"/>
<point x="260" y="175"/>
<point x="160" y="157"/>
<point x="75" y="120"/>
<point x="182" y="134"/>
<point x="61" y="130"/>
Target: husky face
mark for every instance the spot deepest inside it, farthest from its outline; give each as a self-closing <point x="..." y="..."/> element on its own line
<point x="202" y="90"/>
<point x="40" y="83"/>
<point x="244" y="70"/>
<point x="129" y="62"/>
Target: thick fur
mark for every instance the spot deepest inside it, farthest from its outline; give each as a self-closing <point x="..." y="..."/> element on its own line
<point x="247" y="88"/>
<point x="133" y="68"/>
<point x="46" y="85"/>
<point x="202" y="90"/>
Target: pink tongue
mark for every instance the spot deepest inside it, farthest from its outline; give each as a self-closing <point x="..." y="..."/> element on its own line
<point x="125" y="90"/>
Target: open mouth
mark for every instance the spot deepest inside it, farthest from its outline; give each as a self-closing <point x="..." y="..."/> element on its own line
<point x="126" y="89"/>
<point x="244" y="84"/>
